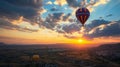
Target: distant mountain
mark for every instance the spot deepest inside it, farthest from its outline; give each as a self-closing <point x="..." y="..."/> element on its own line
<point x="1" y="43"/>
<point x="108" y="51"/>
<point x="109" y="47"/>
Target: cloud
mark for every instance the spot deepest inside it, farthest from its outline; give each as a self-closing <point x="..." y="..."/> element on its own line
<point x="51" y="20"/>
<point x="91" y="5"/>
<point x="26" y="29"/>
<point x="49" y="3"/>
<point x="96" y="23"/>
<point x="105" y="30"/>
<point x="15" y="8"/>
<point x="66" y="17"/>
<point x="27" y="3"/>
<point x="94" y="3"/>
<point x="55" y="19"/>
<point x="73" y="3"/>
<point x="101" y="2"/>
<point x="60" y="22"/>
<point x="96" y="29"/>
<point x="70" y="28"/>
<point x="42" y="11"/>
<point x="60" y="2"/>
<point x="9" y="25"/>
<point x="54" y="9"/>
<point x="13" y="13"/>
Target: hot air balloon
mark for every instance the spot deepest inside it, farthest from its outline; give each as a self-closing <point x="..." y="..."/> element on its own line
<point x="82" y="14"/>
<point x="36" y="57"/>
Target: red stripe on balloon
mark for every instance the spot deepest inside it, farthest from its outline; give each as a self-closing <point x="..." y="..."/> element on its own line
<point x="82" y="19"/>
<point x="85" y="18"/>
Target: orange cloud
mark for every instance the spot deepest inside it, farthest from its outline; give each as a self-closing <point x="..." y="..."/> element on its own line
<point x="42" y="11"/>
<point x="60" y="2"/>
<point x="93" y="4"/>
<point x="17" y="22"/>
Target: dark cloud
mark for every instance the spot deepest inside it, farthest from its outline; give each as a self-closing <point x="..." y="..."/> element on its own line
<point x="48" y="25"/>
<point x="27" y="3"/>
<point x="100" y="28"/>
<point x="73" y="3"/>
<point x="15" y="8"/>
<point x="56" y="17"/>
<point x="54" y="9"/>
<point x="96" y="23"/>
<point x="52" y="22"/>
<point x="69" y="28"/>
<point x="7" y="25"/>
<point x="81" y="3"/>
<point x="109" y="29"/>
<point x="66" y="17"/>
<point x="52" y="19"/>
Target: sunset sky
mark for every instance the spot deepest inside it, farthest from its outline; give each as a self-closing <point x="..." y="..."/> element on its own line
<point x="54" y="21"/>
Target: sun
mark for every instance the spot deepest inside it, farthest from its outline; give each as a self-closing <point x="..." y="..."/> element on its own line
<point x="80" y="40"/>
<point x="83" y="41"/>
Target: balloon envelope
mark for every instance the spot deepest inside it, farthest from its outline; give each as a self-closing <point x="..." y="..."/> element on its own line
<point x="82" y="15"/>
